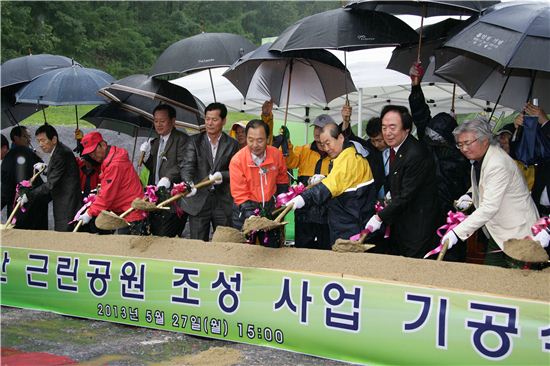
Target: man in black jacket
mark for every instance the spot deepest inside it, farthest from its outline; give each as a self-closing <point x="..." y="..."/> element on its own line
<point x="207" y="156"/>
<point x="63" y="179"/>
<point x="411" y="212"/>
<point x="17" y="166"/>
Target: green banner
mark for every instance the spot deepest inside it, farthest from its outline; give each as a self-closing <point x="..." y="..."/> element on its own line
<point x="347" y="319"/>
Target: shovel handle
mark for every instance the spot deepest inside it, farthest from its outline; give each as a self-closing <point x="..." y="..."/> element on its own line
<point x="127" y="212"/>
<point x="33" y="178"/>
<point x="443" y="250"/>
<point x="78" y="225"/>
<point x="203" y="184"/>
<point x="283" y="214"/>
<point x="13" y="213"/>
<point x="141" y="159"/>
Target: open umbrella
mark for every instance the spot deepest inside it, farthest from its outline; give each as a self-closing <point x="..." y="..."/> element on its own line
<point x="112" y="117"/>
<point x="141" y="94"/>
<point x="313" y="76"/>
<point x="516" y="35"/>
<point x="201" y="52"/>
<point x="13" y="112"/>
<point x="75" y="85"/>
<point x="486" y="79"/>
<point x="24" y="69"/>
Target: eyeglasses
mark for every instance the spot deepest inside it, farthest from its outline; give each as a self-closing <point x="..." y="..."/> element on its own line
<point x="464" y="144"/>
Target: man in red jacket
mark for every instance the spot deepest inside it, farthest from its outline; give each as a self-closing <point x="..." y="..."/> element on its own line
<point x="119" y="181"/>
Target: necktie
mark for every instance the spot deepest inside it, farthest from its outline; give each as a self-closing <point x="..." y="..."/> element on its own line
<point x="159" y="159"/>
<point x="392" y="156"/>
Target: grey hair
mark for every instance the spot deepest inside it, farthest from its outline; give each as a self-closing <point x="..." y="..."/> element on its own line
<point x="479" y="126"/>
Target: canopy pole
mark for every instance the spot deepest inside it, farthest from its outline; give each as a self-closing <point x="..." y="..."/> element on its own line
<point x="212" y="84"/>
<point x="420" y="34"/>
<point x="288" y="91"/>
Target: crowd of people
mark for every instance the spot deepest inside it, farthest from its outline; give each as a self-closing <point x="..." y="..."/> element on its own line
<point x="397" y="186"/>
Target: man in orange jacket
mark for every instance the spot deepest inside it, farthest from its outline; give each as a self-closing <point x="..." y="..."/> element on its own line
<point x="120" y="184"/>
<point x="257" y="174"/>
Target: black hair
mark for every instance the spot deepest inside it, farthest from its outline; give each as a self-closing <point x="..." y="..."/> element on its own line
<point x="166" y="107"/>
<point x="374" y="127"/>
<point x="5" y="141"/>
<point x="406" y="118"/>
<point x="17" y="131"/>
<point x="333" y="129"/>
<point x="255" y="123"/>
<point x="49" y="130"/>
<point x="217" y="106"/>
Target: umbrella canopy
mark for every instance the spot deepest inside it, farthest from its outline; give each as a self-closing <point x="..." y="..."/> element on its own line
<point x="13" y="113"/>
<point x="345" y="29"/>
<point x="73" y="85"/>
<point x="27" y="68"/>
<point x="426" y="8"/>
<point x="433" y="37"/>
<point x="314" y="76"/>
<point x="141" y="94"/>
<point x="112" y="117"/>
<point x="485" y="79"/>
<point x="514" y="35"/>
<point x="200" y="52"/>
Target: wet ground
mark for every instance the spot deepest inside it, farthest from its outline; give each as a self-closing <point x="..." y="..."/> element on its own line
<point x="89" y="342"/>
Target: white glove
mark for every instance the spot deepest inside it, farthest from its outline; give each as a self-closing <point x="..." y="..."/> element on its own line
<point x="39" y="166"/>
<point x="85" y="218"/>
<point x="464" y="202"/>
<point x="543" y="238"/>
<point x="192" y="192"/>
<point x="23" y="199"/>
<point x="217" y="177"/>
<point x="145" y="147"/>
<point x="314" y="179"/>
<point x="451" y="237"/>
<point x="164" y="182"/>
<point x="374" y="223"/>
<point x="298" y="202"/>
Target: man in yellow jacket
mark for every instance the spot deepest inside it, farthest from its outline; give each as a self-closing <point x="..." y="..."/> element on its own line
<point x="311" y="230"/>
<point x="348" y="190"/>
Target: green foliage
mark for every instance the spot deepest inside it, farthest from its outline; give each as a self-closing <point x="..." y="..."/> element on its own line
<point x="126" y="37"/>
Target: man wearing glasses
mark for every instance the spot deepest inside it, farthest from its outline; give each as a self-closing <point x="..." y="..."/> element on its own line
<point x="503" y="205"/>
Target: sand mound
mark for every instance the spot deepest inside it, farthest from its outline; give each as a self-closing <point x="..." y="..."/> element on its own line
<point x="525" y="250"/>
<point x="225" y="234"/>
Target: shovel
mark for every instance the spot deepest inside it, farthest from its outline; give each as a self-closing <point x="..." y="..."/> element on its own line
<point x="352" y="246"/>
<point x="443" y="250"/>
<point x="108" y="220"/>
<point x="8" y="225"/>
<point x="257" y="223"/>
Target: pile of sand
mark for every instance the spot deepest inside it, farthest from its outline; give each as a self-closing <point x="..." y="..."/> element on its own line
<point x="524" y="284"/>
<point x="525" y="250"/>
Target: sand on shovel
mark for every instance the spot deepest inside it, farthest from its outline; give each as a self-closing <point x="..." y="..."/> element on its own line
<point x="141" y="204"/>
<point x="257" y="223"/>
<point x="225" y="234"/>
<point x="525" y="250"/>
<point x="108" y="220"/>
<point x="350" y="246"/>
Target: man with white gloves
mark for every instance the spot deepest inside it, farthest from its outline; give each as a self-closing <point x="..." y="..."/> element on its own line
<point x="164" y="157"/>
<point x="503" y="206"/>
<point x="207" y="156"/>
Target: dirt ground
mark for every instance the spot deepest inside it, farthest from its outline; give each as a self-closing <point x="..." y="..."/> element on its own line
<point x="96" y="343"/>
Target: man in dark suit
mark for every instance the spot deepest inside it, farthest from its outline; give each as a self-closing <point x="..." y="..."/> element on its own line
<point x="207" y="157"/>
<point x="411" y="212"/>
<point x="17" y="166"/>
<point x="164" y="157"/>
<point x="63" y="180"/>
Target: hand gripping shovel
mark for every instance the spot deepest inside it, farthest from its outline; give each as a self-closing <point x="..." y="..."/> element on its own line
<point x="8" y="225"/>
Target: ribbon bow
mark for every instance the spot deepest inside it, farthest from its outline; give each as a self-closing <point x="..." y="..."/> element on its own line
<point x="295" y="190"/>
<point x="151" y="194"/>
<point x="453" y="219"/>
<point x="88" y="200"/>
<point x="540" y="225"/>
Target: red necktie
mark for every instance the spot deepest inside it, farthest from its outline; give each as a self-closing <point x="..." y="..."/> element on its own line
<point x="392" y="155"/>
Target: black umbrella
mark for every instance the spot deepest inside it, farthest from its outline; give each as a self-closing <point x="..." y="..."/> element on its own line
<point x="141" y="94"/>
<point x="27" y="68"/>
<point x="13" y="113"/>
<point x="344" y="29"/>
<point x="514" y="35"/>
<point x="113" y="117"/>
<point x="200" y="52"/>
<point x="304" y="76"/>
<point x="485" y="79"/>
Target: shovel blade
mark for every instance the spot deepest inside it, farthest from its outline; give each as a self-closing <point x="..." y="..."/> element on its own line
<point x="108" y="220"/>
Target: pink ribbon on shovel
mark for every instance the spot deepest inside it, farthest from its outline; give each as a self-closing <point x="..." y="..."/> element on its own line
<point x="378" y="206"/>
<point x="293" y="191"/>
<point x="178" y="188"/>
<point x="540" y="225"/>
<point x="24" y="184"/>
<point x="151" y="193"/>
<point x="88" y="200"/>
<point x="453" y="219"/>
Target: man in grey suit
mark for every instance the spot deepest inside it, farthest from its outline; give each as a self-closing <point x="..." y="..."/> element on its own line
<point x="207" y="157"/>
<point x="164" y="157"/>
<point x="63" y="183"/>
